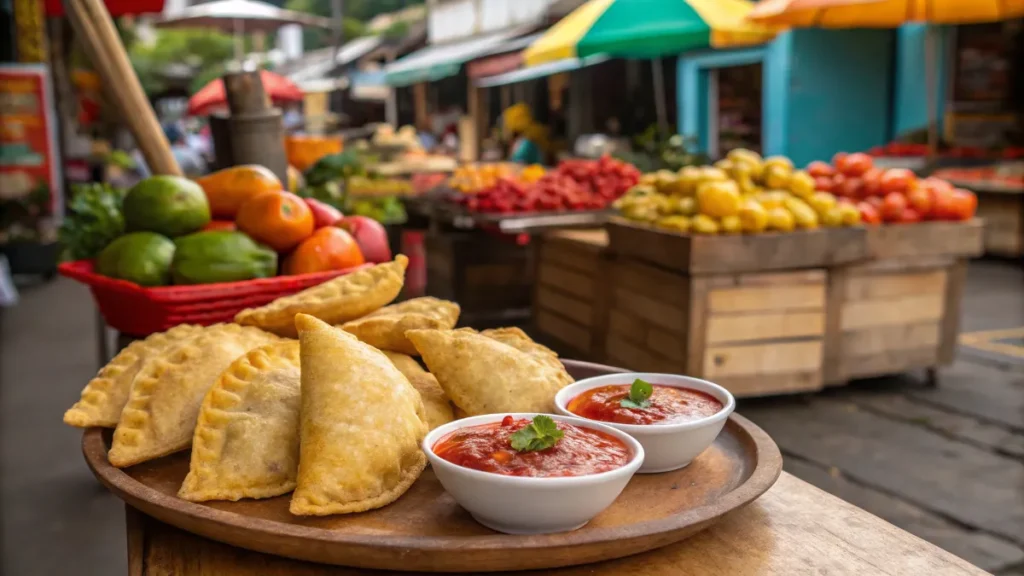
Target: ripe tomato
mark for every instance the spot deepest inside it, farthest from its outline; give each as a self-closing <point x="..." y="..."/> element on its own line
<point x="824" y="184"/>
<point x="278" y="219"/>
<point x="934" y="183"/>
<point x="855" y="164"/>
<point x="920" y="200"/>
<point x="893" y="207"/>
<point x="872" y="186"/>
<point x="909" y="216"/>
<point x="964" y="205"/>
<point x="328" y="248"/>
<point x="875" y="201"/>
<point x="851" y="188"/>
<point x="897" y="180"/>
<point x="819" y="169"/>
<point x="942" y="204"/>
<point x="838" y="159"/>
<point x="868" y="213"/>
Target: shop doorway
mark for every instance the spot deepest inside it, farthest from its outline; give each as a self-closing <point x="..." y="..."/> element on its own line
<point x="735" y="108"/>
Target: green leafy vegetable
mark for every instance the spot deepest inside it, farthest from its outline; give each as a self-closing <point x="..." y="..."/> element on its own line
<point x="94" y="220"/>
<point x="639" y="393"/>
<point x="540" y="434"/>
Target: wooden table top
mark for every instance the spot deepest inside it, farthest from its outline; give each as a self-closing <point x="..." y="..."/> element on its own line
<point x="794" y="528"/>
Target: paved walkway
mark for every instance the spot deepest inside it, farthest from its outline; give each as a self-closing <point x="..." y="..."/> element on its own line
<point x="946" y="464"/>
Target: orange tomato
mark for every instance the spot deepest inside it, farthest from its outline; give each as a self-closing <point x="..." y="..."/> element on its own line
<point x="897" y="180"/>
<point x="942" y="204"/>
<point x="872" y="186"/>
<point x="868" y="213"/>
<point x="920" y="200"/>
<point x="893" y="207"/>
<point x="328" y="248"/>
<point x="226" y="190"/>
<point x="278" y="219"/>
<point x="855" y="164"/>
<point x="964" y="204"/>
<point x="819" y="169"/>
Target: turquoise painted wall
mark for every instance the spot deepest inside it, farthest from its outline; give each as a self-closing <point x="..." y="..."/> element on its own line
<point x="840" y="92"/>
<point x="910" y="107"/>
<point x="824" y="91"/>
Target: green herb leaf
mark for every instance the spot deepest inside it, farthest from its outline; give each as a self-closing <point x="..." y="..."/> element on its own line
<point x="639" y="393"/>
<point x="540" y="434"/>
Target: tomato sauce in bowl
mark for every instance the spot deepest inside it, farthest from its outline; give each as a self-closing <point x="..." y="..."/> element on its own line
<point x="581" y="451"/>
<point x="667" y="405"/>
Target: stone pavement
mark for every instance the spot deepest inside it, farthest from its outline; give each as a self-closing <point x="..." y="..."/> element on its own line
<point x="946" y="464"/>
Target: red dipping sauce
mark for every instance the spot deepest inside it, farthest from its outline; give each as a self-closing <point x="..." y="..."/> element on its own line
<point x="487" y="447"/>
<point x="668" y="405"/>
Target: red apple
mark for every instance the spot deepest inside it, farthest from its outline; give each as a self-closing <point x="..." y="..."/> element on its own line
<point x="323" y="214"/>
<point x="370" y="235"/>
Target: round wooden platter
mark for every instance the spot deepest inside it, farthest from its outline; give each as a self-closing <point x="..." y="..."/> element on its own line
<point x="425" y="530"/>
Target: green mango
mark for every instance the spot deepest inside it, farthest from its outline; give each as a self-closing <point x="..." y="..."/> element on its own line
<point x="221" y="256"/>
<point x="141" y="257"/>
<point x="169" y="205"/>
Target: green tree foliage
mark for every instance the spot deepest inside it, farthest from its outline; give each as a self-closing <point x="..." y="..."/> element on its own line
<point x="205" y="51"/>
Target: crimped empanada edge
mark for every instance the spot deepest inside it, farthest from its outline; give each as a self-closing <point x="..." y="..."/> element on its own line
<point x="300" y="505"/>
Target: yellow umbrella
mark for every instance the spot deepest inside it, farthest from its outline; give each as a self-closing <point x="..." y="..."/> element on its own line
<point x="889" y="14"/>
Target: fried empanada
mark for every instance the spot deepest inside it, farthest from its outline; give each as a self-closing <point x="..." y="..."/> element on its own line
<point x="360" y="428"/>
<point x="484" y="376"/>
<point x="246" y="442"/>
<point x="336" y="301"/>
<point x="518" y="339"/>
<point x="164" y="401"/>
<point x="385" y="329"/>
<point x="436" y="404"/>
<point x="106" y="394"/>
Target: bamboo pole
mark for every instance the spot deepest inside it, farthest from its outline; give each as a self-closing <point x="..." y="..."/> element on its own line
<point x="98" y="36"/>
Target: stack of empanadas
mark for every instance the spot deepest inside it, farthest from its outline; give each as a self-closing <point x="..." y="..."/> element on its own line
<point x="336" y="416"/>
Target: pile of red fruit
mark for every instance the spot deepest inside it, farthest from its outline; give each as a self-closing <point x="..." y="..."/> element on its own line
<point x="574" y="185"/>
<point x="893" y="195"/>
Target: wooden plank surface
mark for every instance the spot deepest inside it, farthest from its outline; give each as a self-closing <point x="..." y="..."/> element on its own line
<point x="926" y="239"/>
<point x="762" y="359"/>
<point x="767" y="298"/>
<point x="794" y="528"/>
<point x="764" y="326"/>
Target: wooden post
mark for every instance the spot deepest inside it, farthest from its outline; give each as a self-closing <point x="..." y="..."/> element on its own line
<point x="419" y="98"/>
<point x="95" y="29"/>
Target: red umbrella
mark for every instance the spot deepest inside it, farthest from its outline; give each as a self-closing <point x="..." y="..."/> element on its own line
<point x="55" y="8"/>
<point x="212" y="96"/>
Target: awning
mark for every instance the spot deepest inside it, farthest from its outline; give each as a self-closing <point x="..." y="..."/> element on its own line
<point x="534" y="72"/>
<point x="321" y="63"/>
<point x="369" y="85"/>
<point x="441" y="61"/>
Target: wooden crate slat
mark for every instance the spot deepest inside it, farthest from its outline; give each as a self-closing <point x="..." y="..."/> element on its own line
<point x="572" y="334"/>
<point x="877" y="287"/>
<point x="577" y="284"/>
<point x="881" y="339"/>
<point x="573" y="309"/>
<point x="764" y="326"/>
<point x="772" y="384"/>
<point x="889" y="362"/>
<point x="754" y="299"/>
<point x="892" y="311"/>
<point x="651" y="310"/>
<point x="762" y="359"/>
<point x="926" y="239"/>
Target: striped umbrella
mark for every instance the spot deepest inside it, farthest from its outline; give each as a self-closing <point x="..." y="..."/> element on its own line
<point x="889" y="14"/>
<point x="647" y="29"/>
<point x="883" y="13"/>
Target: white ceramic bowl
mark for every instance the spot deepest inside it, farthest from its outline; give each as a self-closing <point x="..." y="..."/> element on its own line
<point x="526" y="505"/>
<point x="666" y="446"/>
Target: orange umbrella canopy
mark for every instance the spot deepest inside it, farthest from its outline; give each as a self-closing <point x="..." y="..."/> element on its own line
<point x="882" y="13"/>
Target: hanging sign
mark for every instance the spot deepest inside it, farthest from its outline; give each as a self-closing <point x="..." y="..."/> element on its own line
<point x="31" y="195"/>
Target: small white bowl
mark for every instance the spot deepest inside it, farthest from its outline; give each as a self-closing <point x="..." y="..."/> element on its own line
<point x="667" y="446"/>
<point x="528" y="505"/>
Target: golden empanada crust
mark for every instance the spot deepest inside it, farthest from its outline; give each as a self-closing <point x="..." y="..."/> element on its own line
<point x="106" y="394"/>
<point x="436" y="404"/>
<point x="518" y="339"/>
<point x="246" y="442"/>
<point x="385" y="329"/>
<point x="163" y="405"/>
<point x="484" y="376"/>
<point x="361" y="425"/>
<point x="336" y="301"/>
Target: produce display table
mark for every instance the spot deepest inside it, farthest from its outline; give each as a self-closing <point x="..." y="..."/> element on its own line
<point x="794" y="528"/>
<point x="1001" y="206"/>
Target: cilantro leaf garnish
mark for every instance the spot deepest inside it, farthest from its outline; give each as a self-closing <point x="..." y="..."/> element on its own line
<point x="639" y="393"/>
<point x="540" y="434"/>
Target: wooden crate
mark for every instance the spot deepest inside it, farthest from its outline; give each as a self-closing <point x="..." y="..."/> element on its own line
<point x="891" y="316"/>
<point x="697" y="254"/>
<point x="756" y="334"/>
<point x="1003" y="214"/>
<point x="912" y="241"/>
<point x="570" y="295"/>
<point x="491" y="277"/>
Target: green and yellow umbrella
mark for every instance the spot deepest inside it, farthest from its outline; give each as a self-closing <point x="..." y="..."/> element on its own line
<point x="647" y="29"/>
<point x="883" y="13"/>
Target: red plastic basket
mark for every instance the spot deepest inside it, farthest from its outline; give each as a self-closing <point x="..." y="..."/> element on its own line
<point x="139" y="311"/>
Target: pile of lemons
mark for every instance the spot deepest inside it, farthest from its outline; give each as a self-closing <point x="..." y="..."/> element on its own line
<point x="740" y="194"/>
